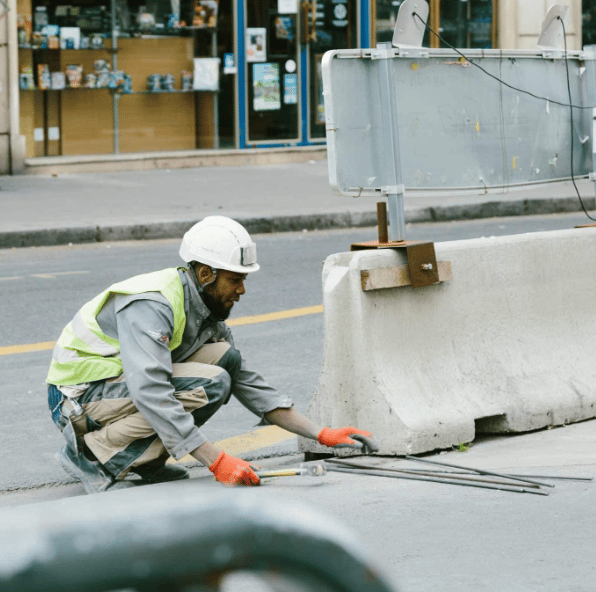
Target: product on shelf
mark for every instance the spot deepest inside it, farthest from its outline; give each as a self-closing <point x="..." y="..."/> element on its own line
<point x="44" y="80"/>
<point x="40" y="17"/>
<point x="24" y="28"/>
<point x="146" y="21"/>
<point x="120" y="81"/>
<point x="74" y="75"/>
<point x="154" y="82"/>
<point x="38" y="41"/>
<point x="90" y="81"/>
<point x="58" y="80"/>
<point x="102" y="73"/>
<point x="168" y="82"/>
<point x="97" y="41"/>
<point x="205" y="13"/>
<point x="26" y="81"/>
<point x="186" y="80"/>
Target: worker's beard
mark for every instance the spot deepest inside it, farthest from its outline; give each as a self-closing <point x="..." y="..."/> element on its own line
<point x="216" y="307"/>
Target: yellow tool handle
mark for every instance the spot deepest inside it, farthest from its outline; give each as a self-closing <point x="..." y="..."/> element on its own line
<point x="280" y="473"/>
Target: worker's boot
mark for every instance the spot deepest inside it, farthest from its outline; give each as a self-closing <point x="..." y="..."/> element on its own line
<point x="159" y="472"/>
<point x="92" y="474"/>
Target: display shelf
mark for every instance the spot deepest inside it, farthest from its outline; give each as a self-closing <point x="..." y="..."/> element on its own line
<point x="121" y="92"/>
<point x="32" y="48"/>
<point x="129" y="121"/>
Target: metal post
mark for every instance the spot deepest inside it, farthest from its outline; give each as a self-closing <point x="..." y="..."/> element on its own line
<point x="115" y="95"/>
<point x="382" y="222"/>
<point x="215" y="95"/>
<point x="397" y="217"/>
<point x="395" y="191"/>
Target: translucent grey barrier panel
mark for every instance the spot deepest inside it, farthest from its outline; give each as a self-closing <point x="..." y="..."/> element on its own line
<point x="452" y="126"/>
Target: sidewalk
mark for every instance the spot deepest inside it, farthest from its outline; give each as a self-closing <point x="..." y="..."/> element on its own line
<point x="89" y="207"/>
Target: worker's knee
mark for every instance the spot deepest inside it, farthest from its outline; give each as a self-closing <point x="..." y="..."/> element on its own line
<point x="231" y="362"/>
<point x="218" y="393"/>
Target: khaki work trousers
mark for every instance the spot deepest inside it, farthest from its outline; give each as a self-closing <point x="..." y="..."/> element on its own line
<point x="125" y="439"/>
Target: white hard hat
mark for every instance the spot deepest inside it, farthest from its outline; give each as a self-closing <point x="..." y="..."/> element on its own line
<point x="221" y="243"/>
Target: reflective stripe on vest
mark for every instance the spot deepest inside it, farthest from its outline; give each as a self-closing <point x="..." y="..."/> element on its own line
<point x="85" y="354"/>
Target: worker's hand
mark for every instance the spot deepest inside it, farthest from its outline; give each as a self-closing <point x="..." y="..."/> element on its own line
<point x="342" y="437"/>
<point x="233" y="471"/>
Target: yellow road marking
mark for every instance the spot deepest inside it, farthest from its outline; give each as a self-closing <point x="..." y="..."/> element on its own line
<point x="264" y="318"/>
<point x="250" y="441"/>
<point x="276" y="316"/>
<point x="29" y="347"/>
<point x="55" y="274"/>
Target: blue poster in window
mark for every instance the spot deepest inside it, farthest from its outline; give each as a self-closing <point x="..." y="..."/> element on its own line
<point x="265" y="83"/>
<point x="290" y="89"/>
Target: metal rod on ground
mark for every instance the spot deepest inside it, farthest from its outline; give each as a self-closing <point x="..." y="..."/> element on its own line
<point x="441" y="474"/>
<point x="513" y="488"/>
<point x="479" y="471"/>
<point x="508" y="475"/>
<point x="555" y="477"/>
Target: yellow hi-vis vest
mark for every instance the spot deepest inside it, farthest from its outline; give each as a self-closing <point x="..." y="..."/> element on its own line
<point x="85" y="354"/>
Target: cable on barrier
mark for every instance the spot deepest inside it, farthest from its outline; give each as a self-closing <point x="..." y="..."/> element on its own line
<point x="570" y="104"/>
<point x="581" y="201"/>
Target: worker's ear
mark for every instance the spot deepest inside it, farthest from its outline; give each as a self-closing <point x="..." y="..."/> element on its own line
<point x="204" y="274"/>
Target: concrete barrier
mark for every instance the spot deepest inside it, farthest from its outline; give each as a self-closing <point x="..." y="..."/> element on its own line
<point x="507" y="345"/>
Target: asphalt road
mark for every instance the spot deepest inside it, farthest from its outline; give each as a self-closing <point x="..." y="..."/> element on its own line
<point x="42" y="288"/>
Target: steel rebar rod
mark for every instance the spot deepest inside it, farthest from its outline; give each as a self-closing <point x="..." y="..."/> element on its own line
<point x="512" y="488"/>
<point x="442" y="474"/>
<point x="479" y="471"/>
<point x="558" y="477"/>
<point x="508" y="475"/>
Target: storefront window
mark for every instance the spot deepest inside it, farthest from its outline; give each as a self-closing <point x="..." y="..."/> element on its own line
<point x="273" y="71"/>
<point x="335" y="27"/>
<point x="588" y="24"/>
<point x="461" y="23"/>
<point x="130" y="76"/>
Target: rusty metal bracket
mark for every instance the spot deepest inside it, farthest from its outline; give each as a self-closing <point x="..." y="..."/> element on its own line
<point x="422" y="268"/>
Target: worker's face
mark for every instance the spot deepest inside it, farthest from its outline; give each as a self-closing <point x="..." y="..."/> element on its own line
<point x="224" y="292"/>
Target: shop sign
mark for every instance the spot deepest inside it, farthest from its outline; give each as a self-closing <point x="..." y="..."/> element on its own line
<point x="291" y="89"/>
<point x="266" y="91"/>
<point x="229" y="64"/>
<point x="206" y="74"/>
<point x="256" y="44"/>
<point x="287" y="6"/>
<point x="340" y="13"/>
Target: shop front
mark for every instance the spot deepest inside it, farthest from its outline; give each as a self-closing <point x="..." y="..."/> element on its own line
<point x="133" y="76"/>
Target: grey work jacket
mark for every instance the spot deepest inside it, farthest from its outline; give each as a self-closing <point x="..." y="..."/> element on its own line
<point x="139" y="322"/>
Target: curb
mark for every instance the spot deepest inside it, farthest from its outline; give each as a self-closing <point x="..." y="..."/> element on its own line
<point x="288" y="223"/>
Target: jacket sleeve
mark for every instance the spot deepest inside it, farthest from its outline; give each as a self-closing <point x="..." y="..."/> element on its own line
<point x="251" y="389"/>
<point x="145" y="327"/>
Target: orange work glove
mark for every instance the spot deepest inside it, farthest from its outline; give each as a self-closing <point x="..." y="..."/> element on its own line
<point x="341" y="437"/>
<point x="233" y="471"/>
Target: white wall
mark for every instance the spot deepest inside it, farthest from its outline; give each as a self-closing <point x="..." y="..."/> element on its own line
<point x="520" y="22"/>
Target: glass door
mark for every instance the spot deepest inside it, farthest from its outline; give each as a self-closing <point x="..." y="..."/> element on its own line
<point x="271" y="47"/>
<point x="327" y="24"/>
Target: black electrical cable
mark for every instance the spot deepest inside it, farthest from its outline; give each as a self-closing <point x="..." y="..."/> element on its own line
<point x="581" y="201"/>
<point x="570" y="104"/>
<point x="521" y="90"/>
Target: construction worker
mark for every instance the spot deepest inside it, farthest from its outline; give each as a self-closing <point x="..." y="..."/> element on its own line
<point x="146" y="362"/>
